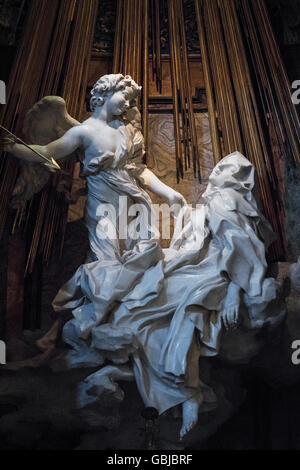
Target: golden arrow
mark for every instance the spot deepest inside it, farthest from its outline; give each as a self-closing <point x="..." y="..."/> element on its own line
<point x="50" y="161"/>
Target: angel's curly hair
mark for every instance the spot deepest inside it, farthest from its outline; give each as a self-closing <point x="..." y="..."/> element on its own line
<point x="108" y="84"/>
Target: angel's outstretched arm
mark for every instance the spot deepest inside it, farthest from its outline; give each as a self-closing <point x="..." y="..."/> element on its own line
<point x="150" y="181"/>
<point x="58" y="149"/>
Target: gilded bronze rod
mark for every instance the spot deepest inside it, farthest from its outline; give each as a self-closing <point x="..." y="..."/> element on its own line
<point x="177" y="68"/>
<point x="18" y="97"/>
<point x="153" y="39"/>
<point x="181" y="98"/>
<point x="182" y="86"/>
<point x="279" y="77"/>
<point x="216" y="42"/>
<point x="174" y="95"/>
<point x="76" y="70"/>
<point x="145" y="74"/>
<point x="128" y="46"/>
<point x="188" y="90"/>
<point x="241" y="77"/>
<point x="208" y="83"/>
<point x="270" y="108"/>
<point x="267" y="99"/>
<point x="233" y="127"/>
<point x="250" y="120"/>
<point x="220" y="102"/>
<point x="139" y="41"/>
<point x="123" y="39"/>
<point x="55" y="62"/>
<point x="117" y="40"/>
<point x="248" y="107"/>
<point x="157" y="43"/>
<point x="226" y="108"/>
<point x="184" y="139"/>
<point x="132" y="14"/>
<point x="133" y="71"/>
<point x="127" y="32"/>
<point x="273" y="119"/>
<point x="36" y="234"/>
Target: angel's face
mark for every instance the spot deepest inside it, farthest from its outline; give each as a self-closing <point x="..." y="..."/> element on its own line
<point x="119" y="101"/>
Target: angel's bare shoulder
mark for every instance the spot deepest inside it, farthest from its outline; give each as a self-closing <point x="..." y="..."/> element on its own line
<point x="92" y="130"/>
<point x="82" y="132"/>
<point x="78" y="133"/>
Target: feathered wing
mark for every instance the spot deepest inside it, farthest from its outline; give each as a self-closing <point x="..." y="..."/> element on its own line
<point x="46" y="121"/>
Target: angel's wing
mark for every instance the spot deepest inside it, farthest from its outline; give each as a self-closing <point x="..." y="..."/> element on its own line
<point x="46" y="121"/>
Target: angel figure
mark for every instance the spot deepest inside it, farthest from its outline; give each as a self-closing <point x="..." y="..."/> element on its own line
<point x="112" y="145"/>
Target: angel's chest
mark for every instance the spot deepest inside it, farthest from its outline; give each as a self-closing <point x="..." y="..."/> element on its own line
<point x="109" y="149"/>
<point x="108" y="141"/>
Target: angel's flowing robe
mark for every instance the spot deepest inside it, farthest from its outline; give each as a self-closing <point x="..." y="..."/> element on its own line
<point x="159" y="310"/>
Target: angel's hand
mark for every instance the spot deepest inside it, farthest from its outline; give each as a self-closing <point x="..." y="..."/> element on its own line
<point x="176" y="198"/>
<point x="51" y="167"/>
<point x="6" y="144"/>
<point x="176" y="202"/>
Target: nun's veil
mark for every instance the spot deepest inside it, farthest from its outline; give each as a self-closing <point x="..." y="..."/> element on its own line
<point x="230" y="188"/>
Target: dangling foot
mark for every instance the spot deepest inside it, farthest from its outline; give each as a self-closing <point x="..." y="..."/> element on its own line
<point x="190" y="409"/>
<point x="49" y="339"/>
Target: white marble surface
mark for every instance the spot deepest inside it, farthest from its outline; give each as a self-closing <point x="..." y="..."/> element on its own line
<point x="153" y="312"/>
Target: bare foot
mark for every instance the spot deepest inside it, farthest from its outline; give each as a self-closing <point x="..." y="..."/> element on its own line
<point x="190" y="410"/>
<point x="49" y="339"/>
